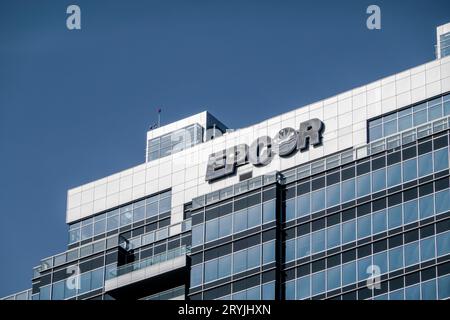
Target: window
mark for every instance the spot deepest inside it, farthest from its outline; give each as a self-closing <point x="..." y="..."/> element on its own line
<point x="197" y="235"/>
<point x="303" y="246"/>
<point x="212" y="230"/>
<point x="348" y="273"/>
<point x="379" y="180"/>
<point x="410" y="211"/>
<point x="211" y="268"/>
<point x="290" y="209"/>
<point x="364" y="226"/>
<point x="363" y="185"/>
<point x="303" y="205"/>
<point x="348" y="190"/>
<point x="240" y="221"/>
<point x="126" y="218"/>
<point x="395" y="217"/>
<point x="152" y="209"/>
<point x="318" y="283"/>
<point x="97" y="279"/>
<point x="411" y="253"/>
<point x="413" y="292"/>
<point x="318" y="200"/>
<point x="428" y="289"/>
<point x="303" y="287"/>
<point x="268" y="252"/>
<point x="253" y="257"/>
<point x="113" y="222"/>
<point x="427" y="249"/>
<point x="239" y="261"/>
<point x="440" y="159"/>
<point x="86" y="232"/>
<point x="268" y="211"/>
<point x="225" y="226"/>
<point x="333" y="236"/>
<point x="363" y="265"/>
<point x="442" y="201"/>
<point x="196" y="275"/>
<point x="333" y="195"/>
<point x="381" y="260"/>
<point x="349" y="231"/>
<point x="254" y="216"/>
<point x="426" y="206"/>
<point x="289" y="289"/>
<point x="58" y="290"/>
<point x="268" y="291"/>
<point x="318" y="241"/>
<point x="379" y="221"/>
<point x="442" y="243"/>
<point x="394" y="175"/>
<point x="290" y="250"/>
<point x="85" y="283"/>
<point x="395" y="258"/>
<point x="425" y="164"/>
<point x="409" y="169"/>
<point x="444" y="287"/>
<point x="333" y="278"/>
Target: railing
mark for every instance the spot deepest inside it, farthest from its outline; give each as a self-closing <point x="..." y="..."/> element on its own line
<point x="156" y="259"/>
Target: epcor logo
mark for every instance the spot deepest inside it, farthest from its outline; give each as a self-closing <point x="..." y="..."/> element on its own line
<point x="263" y="149"/>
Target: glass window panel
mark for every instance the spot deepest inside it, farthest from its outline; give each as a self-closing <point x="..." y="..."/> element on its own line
<point x="152" y="209"/>
<point x="197" y="235"/>
<point x="348" y="190"/>
<point x="444" y="287"/>
<point x="211" y="270"/>
<point x="404" y="122"/>
<point x="99" y="227"/>
<point x="254" y="293"/>
<point x="268" y="211"/>
<point x="58" y="290"/>
<point x="395" y="217"/>
<point x="164" y="205"/>
<point x="240" y="295"/>
<point x="290" y="250"/>
<point x="239" y="261"/>
<point x="435" y="112"/>
<point x="381" y="260"/>
<point x="318" y="283"/>
<point x="318" y="200"/>
<point x="349" y="231"/>
<point x="410" y="211"/>
<point x="268" y="252"/>
<point x="303" y="206"/>
<point x="85" y="282"/>
<point x="420" y="117"/>
<point x="290" y="290"/>
<point x="363" y="264"/>
<point x="112" y="223"/>
<point x="225" y="226"/>
<point x="196" y="275"/>
<point x="268" y="291"/>
<point x="44" y="292"/>
<point x="363" y="185"/>
<point x="425" y="164"/>
<point x="290" y="209"/>
<point x="333" y="195"/>
<point x="318" y="241"/>
<point x="303" y="287"/>
<point x="394" y="175"/>
<point x="333" y="278"/>
<point x="396" y="295"/>
<point x="428" y="289"/>
<point x="240" y="221"/>
<point x="375" y="133"/>
<point x="409" y="169"/>
<point x="74" y="236"/>
<point x="139" y="214"/>
<point x="333" y="236"/>
<point x="442" y="201"/>
<point x="379" y="222"/>
<point x="413" y="292"/>
<point x="379" y="180"/>
<point x="86" y="232"/>
<point x="303" y="246"/>
<point x="390" y="127"/>
<point x="443" y="243"/>
<point x="395" y="258"/>
<point x="364" y="226"/>
<point x="427" y="249"/>
<point x="440" y="159"/>
<point x="412" y="253"/>
<point x="426" y="206"/>
<point x="97" y="279"/>
<point x="126" y="218"/>
<point x="349" y="273"/>
<point x="254" y="257"/>
<point x="212" y="230"/>
<point x="447" y="108"/>
<point x="254" y="216"/>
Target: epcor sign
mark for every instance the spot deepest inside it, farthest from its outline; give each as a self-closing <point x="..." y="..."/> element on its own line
<point x="263" y="149"/>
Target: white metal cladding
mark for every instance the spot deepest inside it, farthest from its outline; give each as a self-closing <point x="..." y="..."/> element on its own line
<point x="345" y="118"/>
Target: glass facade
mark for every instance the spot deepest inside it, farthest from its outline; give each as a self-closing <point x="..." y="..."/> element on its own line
<point x="445" y="44"/>
<point x="174" y="142"/>
<point x="409" y="117"/>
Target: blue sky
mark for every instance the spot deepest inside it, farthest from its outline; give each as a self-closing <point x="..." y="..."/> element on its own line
<point x="75" y="105"/>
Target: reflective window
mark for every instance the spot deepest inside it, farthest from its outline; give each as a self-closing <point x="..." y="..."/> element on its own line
<point x="379" y="221"/>
<point x="303" y="207"/>
<point x="349" y="231"/>
<point x="409" y="169"/>
<point x="318" y="200"/>
<point x="348" y="273"/>
<point x="303" y="246"/>
<point x="268" y="211"/>
<point x="395" y="258"/>
<point x="318" y="283"/>
<point x="410" y="211"/>
<point x="426" y="206"/>
<point x="425" y="164"/>
<point x="333" y="236"/>
<point x="427" y="249"/>
<point x="364" y="226"/>
<point x="318" y="241"/>
<point x="379" y="180"/>
<point x="363" y="185"/>
<point x="441" y="159"/>
<point x="395" y="217"/>
<point x="333" y="195"/>
<point x="196" y="275"/>
<point x="303" y="287"/>
<point x="348" y="190"/>
<point x="411" y="253"/>
<point x="394" y="175"/>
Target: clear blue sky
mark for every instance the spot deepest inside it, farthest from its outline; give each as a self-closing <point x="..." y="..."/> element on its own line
<point x="75" y="105"/>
